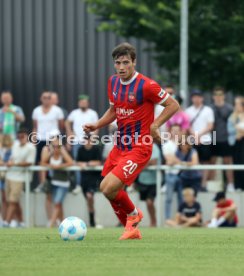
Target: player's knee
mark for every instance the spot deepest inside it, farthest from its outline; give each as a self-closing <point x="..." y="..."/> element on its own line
<point x="105" y="188"/>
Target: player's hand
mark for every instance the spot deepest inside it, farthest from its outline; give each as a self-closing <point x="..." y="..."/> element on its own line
<point x="89" y="128"/>
<point x="155" y="133"/>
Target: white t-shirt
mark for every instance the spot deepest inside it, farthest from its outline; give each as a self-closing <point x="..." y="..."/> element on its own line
<point x="170" y="148"/>
<point x="79" y="118"/>
<point x="47" y="123"/>
<point x="205" y="117"/>
<point x="26" y="153"/>
<point x="157" y="111"/>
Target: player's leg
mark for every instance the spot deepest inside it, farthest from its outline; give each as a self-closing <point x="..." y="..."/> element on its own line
<point x="112" y="188"/>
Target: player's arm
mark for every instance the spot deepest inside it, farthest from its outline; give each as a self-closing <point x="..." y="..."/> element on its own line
<point x="108" y="117"/>
<point x="171" y="107"/>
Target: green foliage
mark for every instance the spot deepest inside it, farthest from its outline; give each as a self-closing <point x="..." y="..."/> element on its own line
<point x="216" y="40"/>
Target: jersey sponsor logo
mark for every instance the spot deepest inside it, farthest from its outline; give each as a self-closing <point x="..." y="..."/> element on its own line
<point x="124" y="111"/>
<point x="161" y="93"/>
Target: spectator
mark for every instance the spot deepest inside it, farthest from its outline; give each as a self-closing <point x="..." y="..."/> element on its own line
<point x="108" y="146"/>
<point x="55" y="101"/>
<point x="224" y="214"/>
<point x="202" y="122"/>
<point x="189" y="213"/>
<point x="76" y="119"/>
<point x="179" y="118"/>
<point x="235" y="128"/>
<point x="169" y="88"/>
<point x="222" y="111"/>
<point x="188" y="156"/>
<point x="23" y="155"/>
<point x="48" y="119"/>
<point x="56" y="157"/>
<point x="172" y="180"/>
<point x="147" y="185"/>
<point x="10" y="115"/>
<point x="5" y="153"/>
<point x="89" y="156"/>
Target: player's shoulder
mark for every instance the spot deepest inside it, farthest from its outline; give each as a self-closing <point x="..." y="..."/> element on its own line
<point x="146" y="79"/>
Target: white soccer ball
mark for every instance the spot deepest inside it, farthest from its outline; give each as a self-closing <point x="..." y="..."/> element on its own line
<point x="72" y="228"/>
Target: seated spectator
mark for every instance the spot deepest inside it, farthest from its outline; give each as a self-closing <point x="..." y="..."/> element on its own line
<point x="186" y="155"/>
<point x="172" y="180"/>
<point x="11" y="116"/>
<point x="179" y="118"/>
<point x="23" y="155"/>
<point x="235" y="127"/>
<point x="224" y="214"/>
<point x="189" y="213"/>
<point x="89" y="156"/>
<point x="147" y="184"/>
<point x="56" y="157"/>
<point x="5" y="153"/>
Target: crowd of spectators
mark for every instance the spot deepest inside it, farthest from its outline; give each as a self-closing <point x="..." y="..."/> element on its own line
<point x="197" y="135"/>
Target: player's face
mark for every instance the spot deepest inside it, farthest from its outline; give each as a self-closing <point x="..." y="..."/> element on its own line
<point x="124" y="67"/>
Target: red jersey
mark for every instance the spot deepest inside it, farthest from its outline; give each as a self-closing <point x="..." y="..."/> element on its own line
<point x="227" y="203"/>
<point x="134" y="102"/>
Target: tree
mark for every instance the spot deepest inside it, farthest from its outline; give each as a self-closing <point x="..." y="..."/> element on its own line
<point x="216" y="41"/>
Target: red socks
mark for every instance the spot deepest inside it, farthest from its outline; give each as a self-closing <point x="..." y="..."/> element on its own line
<point x="122" y="206"/>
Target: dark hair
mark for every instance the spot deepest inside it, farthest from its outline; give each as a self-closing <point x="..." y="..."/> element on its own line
<point x="124" y="49"/>
<point x="23" y="130"/>
<point x="169" y="85"/>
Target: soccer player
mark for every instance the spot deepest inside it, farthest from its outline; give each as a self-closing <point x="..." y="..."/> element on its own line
<point x="132" y="97"/>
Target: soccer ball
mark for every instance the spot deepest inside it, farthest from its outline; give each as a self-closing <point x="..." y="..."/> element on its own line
<point x="72" y="228"/>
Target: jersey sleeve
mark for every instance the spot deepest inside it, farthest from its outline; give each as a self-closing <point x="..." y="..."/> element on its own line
<point x="110" y="92"/>
<point x="155" y="93"/>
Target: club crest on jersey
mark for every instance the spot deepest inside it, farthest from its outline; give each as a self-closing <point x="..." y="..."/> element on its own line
<point x="131" y="97"/>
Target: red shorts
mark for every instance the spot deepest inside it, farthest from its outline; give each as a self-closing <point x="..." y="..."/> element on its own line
<point x="127" y="165"/>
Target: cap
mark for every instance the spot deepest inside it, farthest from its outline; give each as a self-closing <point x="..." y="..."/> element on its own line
<point x="196" y="92"/>
<point x="83" y="97"/>
<point x="218" y="196"/>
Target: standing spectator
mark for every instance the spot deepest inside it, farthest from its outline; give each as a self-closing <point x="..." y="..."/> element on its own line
<point x="202" y="122"/>
<point x="222" y="111"/>
<point x="55" y="101"/>
<point x="6" y="143"/>
<point x="76" y="119"/>
<point x="179" y="118"/>
<point x="10" y="115"/>
<point x="56" y="157"/>
<point x="224" y="214"/>
<point x="89" y="156"/>
<point x="47" y="120"/>
<point x="189" y="213"/>
<point x="235" y="128"/>
<point x="172" y="180"/>
<point x="23" y="155"/>
<point x="147" y="184"/>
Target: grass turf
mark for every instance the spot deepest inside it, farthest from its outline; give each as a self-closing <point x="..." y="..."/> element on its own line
<point x="160" y="252"/>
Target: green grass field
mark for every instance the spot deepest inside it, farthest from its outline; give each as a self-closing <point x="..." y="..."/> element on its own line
<point x="160" y="252"/>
